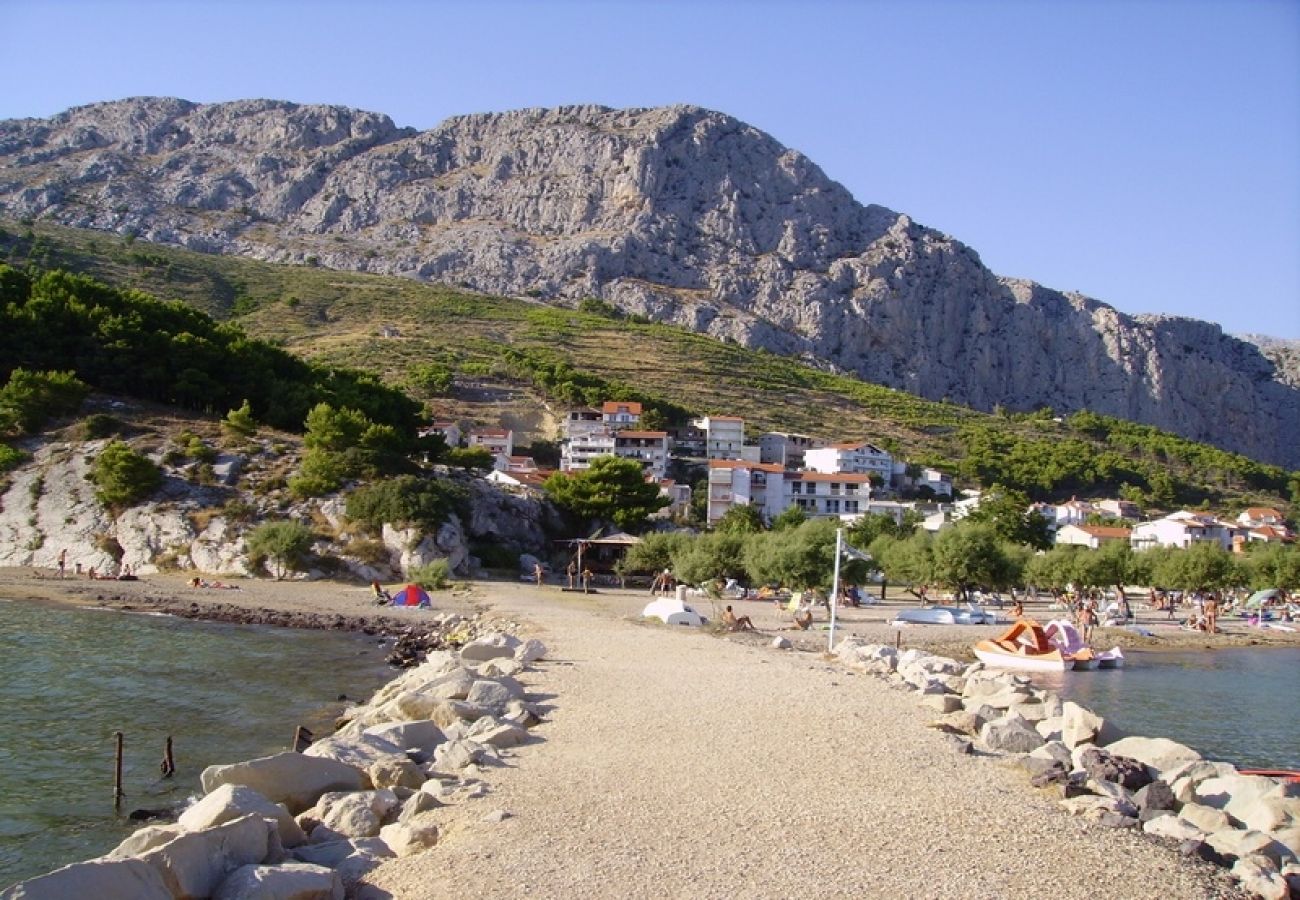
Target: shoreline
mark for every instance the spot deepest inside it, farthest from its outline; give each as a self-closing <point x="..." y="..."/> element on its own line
<point x="705" y="696"/>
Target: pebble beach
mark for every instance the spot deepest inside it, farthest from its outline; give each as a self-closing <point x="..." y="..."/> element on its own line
<point x="682" y="762"/>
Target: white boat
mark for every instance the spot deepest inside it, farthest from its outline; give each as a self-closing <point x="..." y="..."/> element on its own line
<point x="1065" y="637"/>
<point x="946" y="615"/>
<point x="1022" y="646"/>
<point x="672" y="611"/>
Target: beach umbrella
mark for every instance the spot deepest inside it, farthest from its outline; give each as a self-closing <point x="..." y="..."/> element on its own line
<point x="411" y="595"/>
<point x="1259" y="598"/>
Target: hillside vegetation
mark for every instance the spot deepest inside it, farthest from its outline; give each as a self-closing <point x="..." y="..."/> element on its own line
<point x="453" y="348"/>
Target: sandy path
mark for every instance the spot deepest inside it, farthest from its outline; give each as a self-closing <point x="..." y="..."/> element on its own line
<point x="678" y="764"/>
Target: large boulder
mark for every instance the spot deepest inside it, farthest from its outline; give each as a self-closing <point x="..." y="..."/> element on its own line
<point x="1010" y="734"/>
<point x="417" y="739"/>
<point x="232" y="801"/>
<point x="530" y="651"/>
<point x="360" y="751"/>
<point x="1079" y="725"/>
<point x="1175" y="828"/>
<point x="411" y="835"/>
<point x="290" y="881"/>
<point x="489" y="646"/>
<point x="195" y="864"/>
<point x="1159" y="754"/>
<point x="294" y="779"/>
<point x="1184" y="779"/>
<point x="100" y="879"/>
<point x="356" y="814"/>
<point x="1106" y="766"/>
<point x="142" y="840"/>
<point x="1261" y="879"/>
<point x="1240" y="844"/>
<point x="1206" y="818"/>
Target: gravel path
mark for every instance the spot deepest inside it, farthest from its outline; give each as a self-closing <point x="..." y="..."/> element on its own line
<point x="675" y="763"/>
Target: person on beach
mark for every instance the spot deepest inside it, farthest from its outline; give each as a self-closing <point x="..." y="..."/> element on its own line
<point x="1017" y="609"/>
<point x="736" y="623"/>
<point x="382" y="597"/>
<point x="586" y="580"/>
<point x="539" y="575"/>
<point x="803" y="617"/>
<point x="63" y="562"/>
<point x="572" y="573"/>
<point x="1087" y="620"/>
<point x="1212" y="614"/>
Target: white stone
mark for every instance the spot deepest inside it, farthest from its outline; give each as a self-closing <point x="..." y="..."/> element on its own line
<point x="289" y="881"/>
<point x="356" y="814"/>
<point x="142" y="840"/>
<point x="413" y="835"/>
<point x="1264" y="882"/>
<point x="195" y="863"/>
<point x="231" y="801"/>
<point x="294" y="779"/>
<point x="1159" y="754"/>
<point x="1173" y="827"/>
<point x="529" y="651"/>
<point x="489" y="646"/>
<point x="1079" y="725"/>
<point x="98" y="879"/>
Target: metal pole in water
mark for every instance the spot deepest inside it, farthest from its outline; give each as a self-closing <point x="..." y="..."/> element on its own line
<point x="169" y="762"/>
<point x="118" y="794"/>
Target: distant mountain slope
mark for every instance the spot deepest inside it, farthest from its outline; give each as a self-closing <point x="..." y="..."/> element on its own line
<point x="678" y="213"/>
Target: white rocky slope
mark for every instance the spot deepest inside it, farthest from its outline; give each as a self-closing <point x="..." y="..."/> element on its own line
<point x="678" y="213"/>
<point x="191" y="523"/>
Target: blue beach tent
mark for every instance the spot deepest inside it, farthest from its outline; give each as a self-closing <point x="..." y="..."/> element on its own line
<point x="411" y="595"/>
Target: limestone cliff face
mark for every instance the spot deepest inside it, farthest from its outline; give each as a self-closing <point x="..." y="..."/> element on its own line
<point x="678" y="213"/>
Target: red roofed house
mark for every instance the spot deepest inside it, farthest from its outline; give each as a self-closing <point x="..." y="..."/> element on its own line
<point x="497" y="441"/>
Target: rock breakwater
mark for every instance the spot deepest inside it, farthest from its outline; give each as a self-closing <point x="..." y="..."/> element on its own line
<point x="1247" y="824"/>
<point x="404" y="768"/>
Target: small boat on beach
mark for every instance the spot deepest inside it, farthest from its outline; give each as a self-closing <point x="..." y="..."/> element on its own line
<point x="947" y="615"/>
<point x="1024" y="645"/>
<point x="1063" y="634"/>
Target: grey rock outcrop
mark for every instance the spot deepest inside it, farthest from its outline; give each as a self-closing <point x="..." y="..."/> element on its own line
<point x="677" y="213"/>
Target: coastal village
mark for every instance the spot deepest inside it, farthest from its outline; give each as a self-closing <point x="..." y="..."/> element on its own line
<point x="824" y="478"/>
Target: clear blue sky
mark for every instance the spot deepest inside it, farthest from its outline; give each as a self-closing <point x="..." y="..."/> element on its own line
<point x="1144" y="152"/>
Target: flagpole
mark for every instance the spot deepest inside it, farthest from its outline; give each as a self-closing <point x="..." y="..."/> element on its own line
<point x="835" y="587"/>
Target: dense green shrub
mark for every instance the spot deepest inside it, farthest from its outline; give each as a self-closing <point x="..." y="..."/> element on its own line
<point x="406" y="502"/>
<point x="433" y="576"/>
<point x="279" y="546"/>
<point x="29" y="398"/>
<point x="123" y="477"/>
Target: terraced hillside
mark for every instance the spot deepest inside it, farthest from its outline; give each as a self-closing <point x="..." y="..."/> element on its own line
<point x="521" y="363"/>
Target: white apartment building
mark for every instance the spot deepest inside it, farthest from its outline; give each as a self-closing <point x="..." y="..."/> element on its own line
<point x="858" y="458"/>
<point x="740" y="482"/>
<point x="724" y="436"/>
<point x="650" y="448"/>
<point x="1181" y="529"/>
<point x="826" y="494"/>
<point x="580" y="449"/>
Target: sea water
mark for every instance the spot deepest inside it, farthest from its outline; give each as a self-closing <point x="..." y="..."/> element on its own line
<point x="70" y="678"/>
<point x="1236" y="705"/>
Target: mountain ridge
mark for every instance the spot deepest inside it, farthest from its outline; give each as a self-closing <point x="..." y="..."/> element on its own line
<point x="679" y="213"/>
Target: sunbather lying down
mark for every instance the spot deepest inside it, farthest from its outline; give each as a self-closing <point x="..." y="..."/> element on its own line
<point x="736" y="623"/>
<point x="803" y="618"/>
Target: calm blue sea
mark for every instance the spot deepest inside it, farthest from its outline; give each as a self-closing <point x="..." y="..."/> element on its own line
<point x="1237" y="705"/>
<point x="71" y="677"/>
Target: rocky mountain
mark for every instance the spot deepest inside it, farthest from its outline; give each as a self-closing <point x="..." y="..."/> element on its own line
<point x="677" y="213"/>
